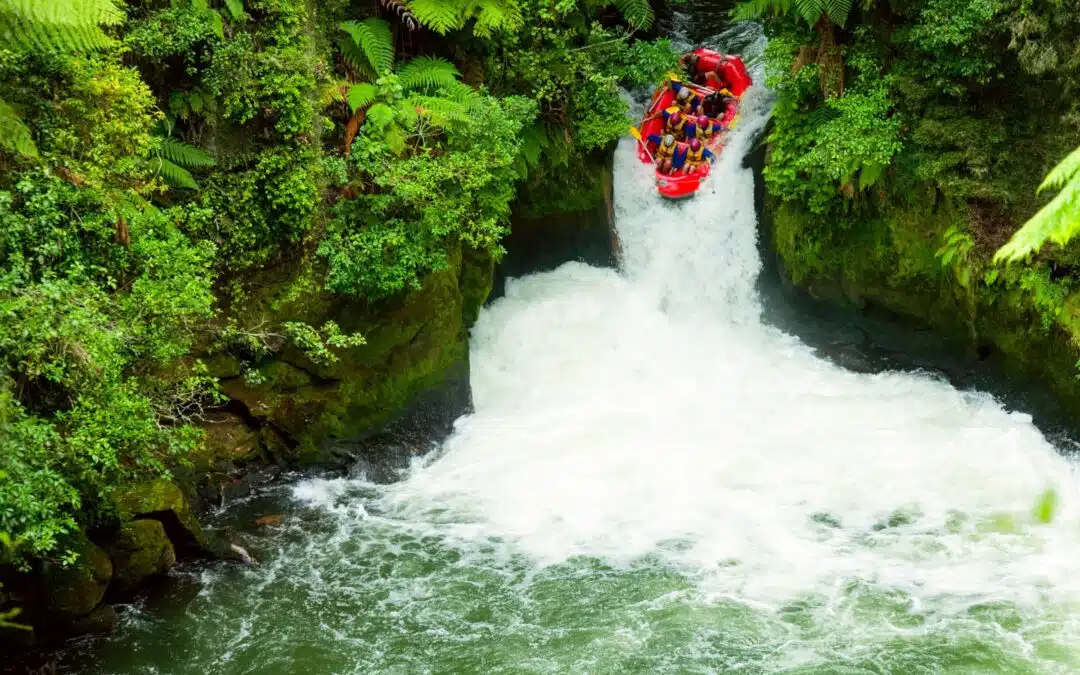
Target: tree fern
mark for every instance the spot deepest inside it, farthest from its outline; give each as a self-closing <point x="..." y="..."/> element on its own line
<point x="375" y="41"/>
<point x="14" y="135"/>
<point x="55" y="25"/>
<point x="428" y="71"/>
<point x="1058" y="221"/>
<point x="440" y="16"/>
<point x="638" y="13"/>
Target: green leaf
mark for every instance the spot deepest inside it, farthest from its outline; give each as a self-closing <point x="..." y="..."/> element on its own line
<point x="375" y="41"/>
<point x="14" y="135"/>
<point x="217" y="25"/>
<point x="1066" y="170"/>
<point x="236" y="9"/>
<point x="361" y="95"/>
<point x="1046" y="506"/>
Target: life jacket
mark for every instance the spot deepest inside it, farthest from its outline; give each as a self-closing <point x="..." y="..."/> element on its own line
<point x="674" y="128"/>
<point x="665" y="152"/>
<point x="705" y="132"/>
<point x="694" y="158"/>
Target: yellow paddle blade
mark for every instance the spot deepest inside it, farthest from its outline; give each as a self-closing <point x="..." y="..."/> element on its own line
<point x="635" y="133"/>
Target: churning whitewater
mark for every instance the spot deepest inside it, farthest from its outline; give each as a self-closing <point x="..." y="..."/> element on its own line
<point x="656" y="481"/>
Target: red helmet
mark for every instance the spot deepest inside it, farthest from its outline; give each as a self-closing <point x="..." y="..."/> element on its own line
<point x="703" y="121"/>
<point x="676" y="117"/>
<point x="695" y="144"/>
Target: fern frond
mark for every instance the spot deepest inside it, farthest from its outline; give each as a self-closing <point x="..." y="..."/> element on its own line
<point x="14" y="135"/>
<point x="175" y="175"/>
<point x="66" y="12"/>
<point x="755" y="9"/>
<point x="395" y="137"/>
<point x="361" y="95"/>
<point x="440" y="16"/>
<point x="810" y="10"/>
<point x="183" y="154"/>
<point x="494" y="15"/>
<point x="838" y="11"/>
<point x="356" y="59"/>
<point x="375" y="41"/>
<point x="56" y="25"/>
<point x="402" y="11"/>
<point x="428" y="72"/>
<point x="381" y="115"/>
<point x="1058" y="221"/>
<point x="1066" y="170"/>
<point x="638" y="13"/>
<point x="441" y="111"/>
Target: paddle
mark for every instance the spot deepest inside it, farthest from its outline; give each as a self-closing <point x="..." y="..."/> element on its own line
<point x="637" y="134"/>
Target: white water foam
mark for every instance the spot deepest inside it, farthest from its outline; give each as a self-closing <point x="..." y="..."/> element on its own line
<point x="650" y="412"/>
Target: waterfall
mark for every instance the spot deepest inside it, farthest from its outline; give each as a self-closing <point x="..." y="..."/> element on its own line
<point x="655" y="480"/>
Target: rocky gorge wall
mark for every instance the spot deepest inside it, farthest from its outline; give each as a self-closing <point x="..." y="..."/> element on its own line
<point x="890" y="265"/>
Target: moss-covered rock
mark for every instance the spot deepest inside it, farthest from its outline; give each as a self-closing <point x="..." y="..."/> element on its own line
<point x="102" y="620"/>
<point x="890" y="262"/>
<point x="164" y="501"/>
<point x="140" y="550"/>
<point x="414" y="344"/>
<point x="77" y="588"/>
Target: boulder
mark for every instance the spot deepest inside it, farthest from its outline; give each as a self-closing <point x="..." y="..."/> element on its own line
<point x="76" y="588"/>
<point x="164" y="501"/>
<point x="102" y="620"/>
<point x="141" y="550"/>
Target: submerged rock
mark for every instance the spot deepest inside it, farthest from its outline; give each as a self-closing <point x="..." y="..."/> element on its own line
<point x="141" y="550"/>
<point x="104" y="619"/>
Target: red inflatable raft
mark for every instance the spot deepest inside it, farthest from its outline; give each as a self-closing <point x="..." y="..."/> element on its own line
<point x="716" y="73"/>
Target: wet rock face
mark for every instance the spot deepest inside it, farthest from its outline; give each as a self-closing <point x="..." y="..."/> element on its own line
<point x="140" y="551"/>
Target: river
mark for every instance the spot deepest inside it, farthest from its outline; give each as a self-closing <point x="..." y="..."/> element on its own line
<point x="656" y="480"/>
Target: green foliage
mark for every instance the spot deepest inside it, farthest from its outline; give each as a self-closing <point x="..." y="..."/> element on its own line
<point x="318" y="345"/>
<point x="810" y="11"/>
<point x="1058" y="221"/>
<point x="383" y="242"/>
<point x="487" y="16"/>
<point x="58" y="25"/>
<point x="373" y="46"/>
<point x="13" y="133"/>
<point x="954" y="254"/>
<point x="92" y="391"/>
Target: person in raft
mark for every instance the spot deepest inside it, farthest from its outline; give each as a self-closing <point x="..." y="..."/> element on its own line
<point x="674" y="122"/>
<point x="670" y="156"/>
<point x="696" y="156"/>
<point x="685" y="99"/>
<point x="705" y="128"/>
<point x="704" y="71"/>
